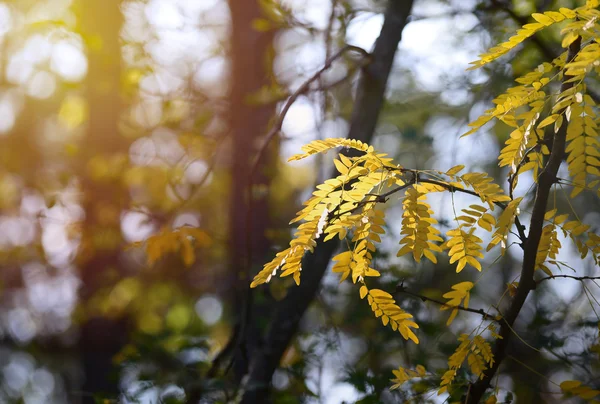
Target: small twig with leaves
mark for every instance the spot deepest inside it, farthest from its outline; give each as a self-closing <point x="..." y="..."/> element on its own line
<point x="402" y="289"/>
<point x="452" y="188"/>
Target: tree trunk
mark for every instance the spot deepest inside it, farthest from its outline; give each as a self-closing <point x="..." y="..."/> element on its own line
<point x="104" y="199"/>
<point x="248" y="204"/>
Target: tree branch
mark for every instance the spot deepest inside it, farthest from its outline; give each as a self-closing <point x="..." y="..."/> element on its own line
<point x="577" y="278"/>
<point x="369" y="100"/>
<point x="303" y="89"/>
<point x="401" y="289"/>
<point x="527" y="283"/>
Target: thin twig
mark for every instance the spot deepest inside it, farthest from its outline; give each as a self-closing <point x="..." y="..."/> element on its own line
<point x="379" y="198"/>
<point x="577" y="278"/>
<point x="276" y="128"/>
<point x="401" y="289"/>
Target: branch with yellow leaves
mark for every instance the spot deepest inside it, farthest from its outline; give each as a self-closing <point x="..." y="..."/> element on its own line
<point x="527" y="283"/>
<point x="417" y="178"/>
<point x="402" y="289"/>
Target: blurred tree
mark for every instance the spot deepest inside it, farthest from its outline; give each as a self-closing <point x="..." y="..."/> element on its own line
<point x="103" y="334"/>
<point x="251" y="55"/>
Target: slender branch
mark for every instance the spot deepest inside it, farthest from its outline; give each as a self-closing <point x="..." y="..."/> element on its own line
<point x="453" y="188"/>
<point x="383" y="198"/>
<point x="577" y="278"/>
<point x="527" y="283"/>
<point x="379" y="198"/>
<point x="401" y="289"/>
<point x="304" y="88"/>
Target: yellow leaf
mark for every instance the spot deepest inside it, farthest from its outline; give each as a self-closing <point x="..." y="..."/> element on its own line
<point x="569" y="39"/>
<point x="463" y="286"/>
<point x="340" y="167"/>
<point x="455" y="170"/>
<point x="452" y="317"/>
<point x="377" y="293"/>
<point x="569" y="385"/>
<point x="567" y="12"/>
<point x="363" y="291"/>
<point x="542" y="19"/>
<point x="474" y="263"/>
<point x="556" y="17"/>
<point x="345" y="160"/>
<point x="548" y="121"/>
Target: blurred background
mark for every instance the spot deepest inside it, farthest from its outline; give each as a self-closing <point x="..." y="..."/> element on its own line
<point x="129" y="136"/>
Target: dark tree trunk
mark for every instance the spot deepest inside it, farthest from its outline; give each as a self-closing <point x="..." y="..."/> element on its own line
<point x="248" y="209"/>
<point x="104" y="199"/>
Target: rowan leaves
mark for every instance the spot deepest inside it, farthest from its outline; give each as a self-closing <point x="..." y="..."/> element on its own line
<point x="417" y="228"/>
<point x="183" y="239"/>
<point x="384" y="306"/>
<point x="542" y="20"/>
<point x="321" y="146"/>
<point x="478" y="354"/>
<point x="403" y="375"/>
<point x="459" y="294"/>
<point x="583" y="149"/>
<point x="464" y="246"/>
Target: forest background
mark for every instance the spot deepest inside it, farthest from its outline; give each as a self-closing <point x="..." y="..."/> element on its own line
<point x="144" y="182"/>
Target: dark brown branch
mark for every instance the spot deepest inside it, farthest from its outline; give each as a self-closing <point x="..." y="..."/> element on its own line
<point x="401" y="289"/>
<point x="379" y="198"/>
<point x="239" y="334"/>
<point x="546" y="180"/>
<point x="577" y="278"/>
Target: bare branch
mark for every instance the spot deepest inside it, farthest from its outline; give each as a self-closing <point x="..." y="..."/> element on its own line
<point x="304" y="88"/>
<point x="577" y="278"/>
